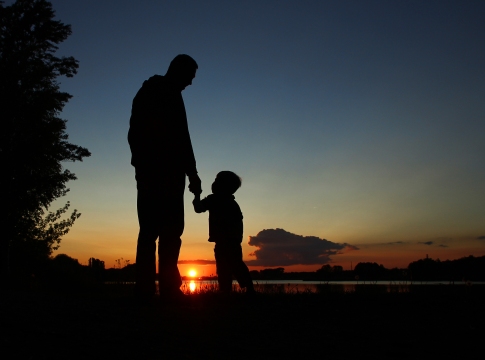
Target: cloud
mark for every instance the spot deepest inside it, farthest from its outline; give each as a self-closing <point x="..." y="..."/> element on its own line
<point x="196" y="262"/>
<point x="442" y="245"/>
<point x="443" y="239"/>
<point x="394" y="243"/>
<point x="481" y="237"/>
<point x="426" y="242"/>
<point x="277" y="247"/>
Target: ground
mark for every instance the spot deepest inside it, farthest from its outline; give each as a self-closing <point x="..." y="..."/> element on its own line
<point x="429" y="322"/>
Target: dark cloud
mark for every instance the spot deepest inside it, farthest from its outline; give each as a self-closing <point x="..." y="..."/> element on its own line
<point x="196" y="262"/>
<point x="481" y="238"/>
<point x="277" y="247"/>
<point x="443" y="245"/>
<point x="394" y="243"/>
<point x="426" y="242"/>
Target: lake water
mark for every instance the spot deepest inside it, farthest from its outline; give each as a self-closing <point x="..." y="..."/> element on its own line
<point x="300" y="286"/>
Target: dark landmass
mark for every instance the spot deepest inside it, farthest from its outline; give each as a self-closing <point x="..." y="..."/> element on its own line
<point x="70" y="311"/>
<point x="63" y="269"/>
<point x="103" y="322"/>
<point x="465" y="269"/>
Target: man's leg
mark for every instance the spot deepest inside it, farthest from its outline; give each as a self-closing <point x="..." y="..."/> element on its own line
<point x="171" y="228"/>
<point x="168" y="273"/>
<point x="147" y="206"/>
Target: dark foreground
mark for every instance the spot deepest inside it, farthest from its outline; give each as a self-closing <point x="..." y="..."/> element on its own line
<point x="427" y="323"/>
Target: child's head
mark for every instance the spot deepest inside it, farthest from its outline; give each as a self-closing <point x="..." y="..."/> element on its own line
<point x="226" y="182"/>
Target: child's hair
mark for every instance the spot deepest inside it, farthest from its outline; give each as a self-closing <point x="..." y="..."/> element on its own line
<point x="229" y="181"/>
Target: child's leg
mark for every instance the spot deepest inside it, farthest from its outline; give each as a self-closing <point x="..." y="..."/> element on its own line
<point x="240" y="270"/>
<point x="223" y="266"/>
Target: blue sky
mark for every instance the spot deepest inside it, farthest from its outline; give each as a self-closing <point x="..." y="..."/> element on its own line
<point x="359" y="122"/>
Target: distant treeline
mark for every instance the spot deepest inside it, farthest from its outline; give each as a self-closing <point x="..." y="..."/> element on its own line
<point x="61" y="272"/>
<point x="468" y="268"/>
<point x="465" y="269"/>
<point x="64" y="271"/>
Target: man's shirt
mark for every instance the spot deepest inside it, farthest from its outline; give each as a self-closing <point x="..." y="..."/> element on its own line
<point x="159" y="135"/>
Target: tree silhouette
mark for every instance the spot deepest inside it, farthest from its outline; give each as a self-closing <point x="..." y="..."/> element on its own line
<point x="33" y="140"/>
<point x="370" y="271"/>
<point x="96" y="270"/>
<point x="467" y="268"/>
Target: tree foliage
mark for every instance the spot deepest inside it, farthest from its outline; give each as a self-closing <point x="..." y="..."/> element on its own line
<point x="33" y="140"/>
<point x="467" y="268"/>
<point x="370" y="271"/>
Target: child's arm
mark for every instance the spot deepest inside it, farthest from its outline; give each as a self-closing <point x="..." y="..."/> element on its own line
<point x="199" y="205"/>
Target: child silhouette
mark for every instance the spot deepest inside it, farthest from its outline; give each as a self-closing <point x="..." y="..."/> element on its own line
<point x="226" y="230"/>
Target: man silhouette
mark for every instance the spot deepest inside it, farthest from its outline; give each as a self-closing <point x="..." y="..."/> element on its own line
<point x="162" y="155"/>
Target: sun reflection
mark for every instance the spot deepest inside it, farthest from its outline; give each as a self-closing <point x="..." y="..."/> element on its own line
<point x="192" y="286"/>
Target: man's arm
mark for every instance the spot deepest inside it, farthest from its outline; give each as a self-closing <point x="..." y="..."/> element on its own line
<point x="195" y="185"/>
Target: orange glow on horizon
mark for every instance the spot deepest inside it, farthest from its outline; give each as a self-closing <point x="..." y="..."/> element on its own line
<point x="396" y="254"/>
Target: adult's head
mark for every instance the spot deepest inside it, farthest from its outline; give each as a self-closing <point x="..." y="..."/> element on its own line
<point x="182" y="71"/>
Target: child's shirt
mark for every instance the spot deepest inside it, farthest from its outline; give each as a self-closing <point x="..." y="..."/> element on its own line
<point x="225" y="218"/>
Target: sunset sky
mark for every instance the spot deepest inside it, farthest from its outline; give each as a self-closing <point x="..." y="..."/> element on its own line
<point x="358" y="122"/>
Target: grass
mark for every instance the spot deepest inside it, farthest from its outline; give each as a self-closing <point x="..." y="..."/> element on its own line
<point x="104" y="323"/>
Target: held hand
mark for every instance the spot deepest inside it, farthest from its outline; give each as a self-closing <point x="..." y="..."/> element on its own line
<point x="195" y="185"/>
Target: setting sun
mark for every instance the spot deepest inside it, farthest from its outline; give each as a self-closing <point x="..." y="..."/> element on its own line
<point x="192" y="273"/>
